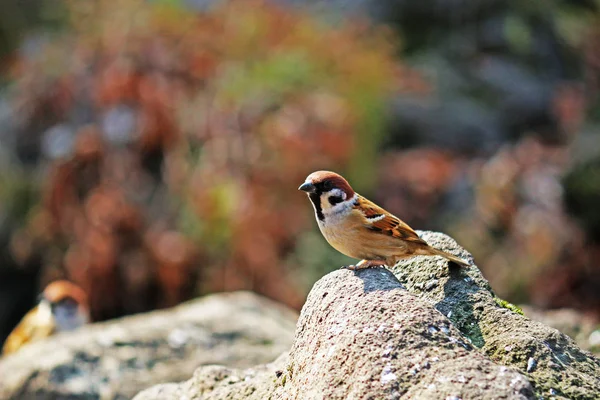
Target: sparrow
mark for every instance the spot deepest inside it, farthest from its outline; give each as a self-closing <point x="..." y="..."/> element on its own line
<point x="63" y="306"/>
<point x="360" y="229"/>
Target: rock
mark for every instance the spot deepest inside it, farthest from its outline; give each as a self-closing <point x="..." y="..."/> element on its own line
<point x="579" y="326"/>
<point x="362" y="335"/>
<point x="117" y="359"/>
<point x="508" y="338"/>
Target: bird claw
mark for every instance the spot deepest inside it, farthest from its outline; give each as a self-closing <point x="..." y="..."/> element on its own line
<point x="364" y="264"/>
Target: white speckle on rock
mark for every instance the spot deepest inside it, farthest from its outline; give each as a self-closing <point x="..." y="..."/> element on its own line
<point x="508" y="348"/>
<point x="435" y="359"/>
<point x="331" y="351"/>
<point x="443" y="379"/>
<point x="431" y="284"/>
<point x="432" y="329"/>
<point x="387" y="375"/>
<point x="445" y="329"/>
<point x="388" y="350"/>
<point x="531" y="363"/>
<point x="431" y="386"/>
<point x="553" y="392"/>
<point x="105" y="341"/>
<point x="177" y="338"/>
<point x="449" y="314"/>
<point x="453" y="398"/>
<point x="381" y="328"/>
<point x="111" y="336"/>
<point x="515" y="380"/>
<point x="337" y="328"/>
<point x="462" y="379"/>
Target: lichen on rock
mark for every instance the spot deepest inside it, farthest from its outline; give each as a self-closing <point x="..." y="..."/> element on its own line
<point x="562" y="369"/>
<point x="509" y="306"/>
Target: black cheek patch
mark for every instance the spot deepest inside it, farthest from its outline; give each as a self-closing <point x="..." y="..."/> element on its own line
<point x="316" y="200"/>
<point x="333" y="200"/>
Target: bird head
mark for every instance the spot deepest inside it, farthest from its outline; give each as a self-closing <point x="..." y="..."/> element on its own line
<point x="328" y="192"/>
<point x="67" y="303"/>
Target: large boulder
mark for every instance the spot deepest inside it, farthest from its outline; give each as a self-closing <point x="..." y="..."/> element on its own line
<point x="425" y="330"/>
<point x="550" y="359"/>
<point x="361" y="335"/>
<point x="117" y="359"/>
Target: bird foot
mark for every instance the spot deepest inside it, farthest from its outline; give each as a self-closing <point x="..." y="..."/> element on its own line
<point x="364" y="264"/>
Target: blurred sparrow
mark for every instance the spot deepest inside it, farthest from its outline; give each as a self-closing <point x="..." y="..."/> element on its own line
<point x="63" y="307"/>
<point x="361" y="229"/>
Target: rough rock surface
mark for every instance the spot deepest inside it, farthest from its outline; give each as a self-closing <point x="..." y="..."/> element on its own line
<point x="117" y="359"/>
<point x="551" y="360"/>
<point x="581" y="327"/>
<point x="362" y="335"/>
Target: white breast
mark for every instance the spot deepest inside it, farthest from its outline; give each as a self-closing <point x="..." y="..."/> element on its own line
<point x="337" y="213"/>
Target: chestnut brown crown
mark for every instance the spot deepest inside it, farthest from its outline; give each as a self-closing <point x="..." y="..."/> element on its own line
<point x="323" y="181"/>
<point x="57" y="291"/>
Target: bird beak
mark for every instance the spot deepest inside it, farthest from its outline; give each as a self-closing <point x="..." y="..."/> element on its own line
<point x="308" y="187"/>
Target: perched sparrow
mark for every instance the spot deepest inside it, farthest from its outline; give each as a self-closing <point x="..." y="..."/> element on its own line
<point x="361" y="229"/>
<point x="63" y="307"/>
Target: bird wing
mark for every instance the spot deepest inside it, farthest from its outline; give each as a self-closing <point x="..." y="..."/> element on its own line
<point x="28" y="330"/>
<point x="379" y="220"/>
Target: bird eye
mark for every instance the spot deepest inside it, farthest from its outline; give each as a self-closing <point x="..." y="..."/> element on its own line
<point x="327" y="185"/>
<point x="333" y="200"/>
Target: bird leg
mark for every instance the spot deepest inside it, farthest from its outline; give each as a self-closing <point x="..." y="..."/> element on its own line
<point x="363" y="264"/>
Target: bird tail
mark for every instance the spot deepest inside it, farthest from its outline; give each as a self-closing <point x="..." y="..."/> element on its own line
<point x="448" y="256"/>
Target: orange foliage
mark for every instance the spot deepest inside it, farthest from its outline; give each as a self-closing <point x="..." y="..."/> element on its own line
<point x="183" y="176"/>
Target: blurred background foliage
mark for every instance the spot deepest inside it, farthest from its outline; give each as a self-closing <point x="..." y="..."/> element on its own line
<point x="150" y="151"/>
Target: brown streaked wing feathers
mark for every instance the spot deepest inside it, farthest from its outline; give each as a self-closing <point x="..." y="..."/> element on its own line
<point x="389" y="225"/>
